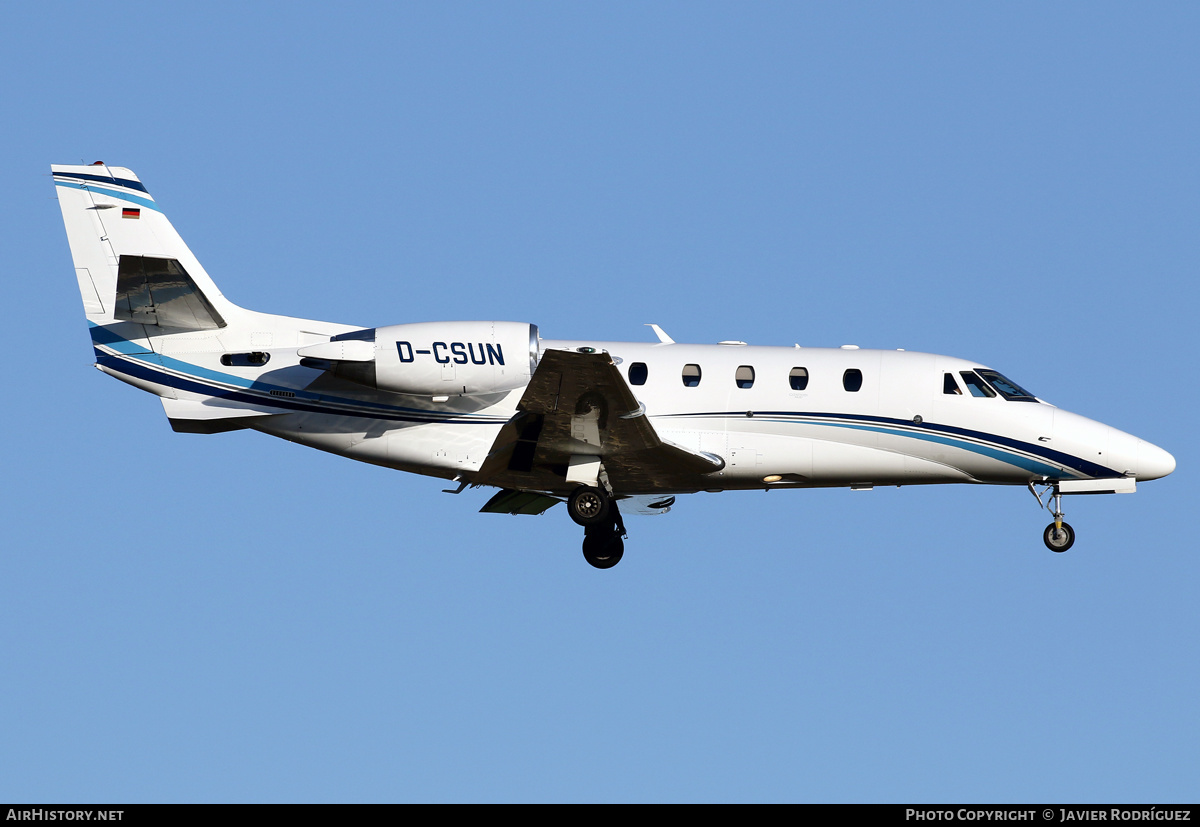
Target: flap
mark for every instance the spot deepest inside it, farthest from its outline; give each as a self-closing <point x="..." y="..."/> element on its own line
<point x="518" y="502"/>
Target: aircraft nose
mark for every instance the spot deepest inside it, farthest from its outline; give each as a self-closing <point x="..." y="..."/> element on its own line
<point x="1153" y="462"/>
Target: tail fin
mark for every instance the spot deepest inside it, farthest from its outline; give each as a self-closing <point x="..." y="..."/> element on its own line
<point x="157" y="320"/>
<point x="131" y="264"/>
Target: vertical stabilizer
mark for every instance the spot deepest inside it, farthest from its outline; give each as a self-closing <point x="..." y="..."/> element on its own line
<point x="159" y="323"/>
<point x="131" y="264"/>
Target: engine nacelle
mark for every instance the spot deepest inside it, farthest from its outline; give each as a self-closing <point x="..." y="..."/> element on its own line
<point x="435" y="358"/>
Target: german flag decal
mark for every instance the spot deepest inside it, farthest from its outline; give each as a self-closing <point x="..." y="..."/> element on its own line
<point x="131" y="212"/>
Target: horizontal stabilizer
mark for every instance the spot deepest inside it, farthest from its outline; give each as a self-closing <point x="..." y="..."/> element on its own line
<point x="509" y="501"/>
<point x="194" y="417"/>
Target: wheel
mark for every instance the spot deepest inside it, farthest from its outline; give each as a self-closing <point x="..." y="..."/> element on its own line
<point x="603" y="551"/>
<point x="1058" y="539"/>
<point x="588" y="506"/>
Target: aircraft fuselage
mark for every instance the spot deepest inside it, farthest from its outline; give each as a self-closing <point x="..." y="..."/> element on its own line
<point x="593" y="423"/>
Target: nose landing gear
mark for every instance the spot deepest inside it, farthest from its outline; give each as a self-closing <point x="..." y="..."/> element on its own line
<point x="1058" y="536"/>
<point x="603" y="529"/>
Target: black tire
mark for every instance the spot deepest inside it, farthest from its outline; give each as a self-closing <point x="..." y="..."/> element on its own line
<point x="603" y="552"/>
<point x="1058" y="541"/>
<point x="588" y="506"/>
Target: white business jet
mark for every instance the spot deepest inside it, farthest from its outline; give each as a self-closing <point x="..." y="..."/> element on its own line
<point x="606" y="426"/>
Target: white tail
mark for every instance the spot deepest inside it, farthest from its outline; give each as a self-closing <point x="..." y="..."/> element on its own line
<point x="157" y="319"/>
<point x="130" y="262"/>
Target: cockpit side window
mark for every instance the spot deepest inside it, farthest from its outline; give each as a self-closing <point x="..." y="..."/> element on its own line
<point x="1009" y="389"/>
<point x="950" y="386"/>
<point x="975" y="385"/>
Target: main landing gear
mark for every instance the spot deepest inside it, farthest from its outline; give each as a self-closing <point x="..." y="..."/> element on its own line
<point x="1058" y="536"/>
<point x="603" y="530"/>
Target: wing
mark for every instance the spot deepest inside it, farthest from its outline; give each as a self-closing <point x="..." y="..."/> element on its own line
<point x="576" y="411"/>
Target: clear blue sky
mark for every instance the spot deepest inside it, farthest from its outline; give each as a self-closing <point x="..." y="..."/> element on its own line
<point x="234" y="618"/>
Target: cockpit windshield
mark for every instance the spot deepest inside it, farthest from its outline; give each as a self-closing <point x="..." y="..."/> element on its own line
<point x="1009" y="389"/>
<point x="975" y="385"/>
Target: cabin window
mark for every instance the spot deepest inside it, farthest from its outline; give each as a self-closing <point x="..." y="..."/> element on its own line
<point x="1009" y="389"/>
<point x="691" y="376"/>
<point x="798" y="379"/>
<point x="245" y="360"/>
<point x="975" y="385"/>
<point x="744" y="376"/>
<point x="852" y="380"/>
<point x="949" y="386"/>
<point x="638" y="373"/>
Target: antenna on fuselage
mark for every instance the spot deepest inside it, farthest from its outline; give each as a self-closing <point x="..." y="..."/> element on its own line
<point x="662" y="336"/>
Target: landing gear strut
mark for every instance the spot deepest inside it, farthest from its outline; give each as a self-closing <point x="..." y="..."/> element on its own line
<point x="603" y="529"/>
<point x="1058" y="536"/>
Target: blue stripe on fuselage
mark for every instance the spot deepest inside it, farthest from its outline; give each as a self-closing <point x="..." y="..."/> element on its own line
<point x="995" y="453"/>
<point x="144" y="370"/>
<point x="136" y="361"/>
<point x="907" y="428"/>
